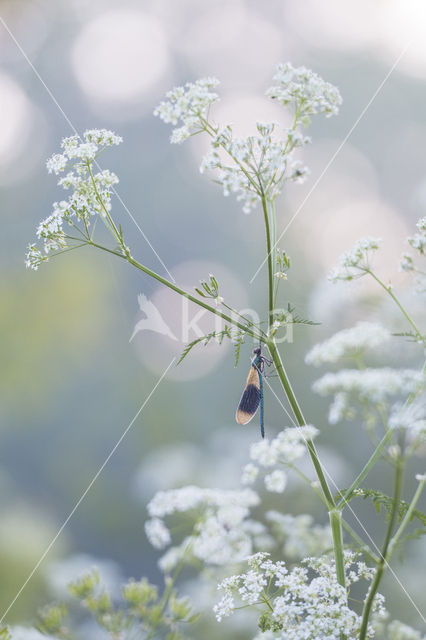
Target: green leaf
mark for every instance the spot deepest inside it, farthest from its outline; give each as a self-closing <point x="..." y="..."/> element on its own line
<point x="382" y="501"/>
<point x="290" y="317"/>
<point x="218" y="335"/>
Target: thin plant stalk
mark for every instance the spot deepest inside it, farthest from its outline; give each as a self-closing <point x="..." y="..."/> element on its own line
<point x="399" y="466"/>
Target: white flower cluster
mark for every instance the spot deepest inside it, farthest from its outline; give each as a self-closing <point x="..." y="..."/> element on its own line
<point x="157" y="533"/>
<point x="354" y="263"/>
<point x="91" y="193"/>
<point x="367" y="385"/>
<point x="417" y="242"/>
<point x="302" y="606"/>
<point x="348" y="343"/>
<point x="299" y="536"/>
<point x="188" y="105"/>
<point x="411" y="417"/>
<point x="222" y="531"/>
<point x="258" y="164"/>
<point x="285" y="448"/>
<point x="305" y="91"/>
<point x="399" y="631"/>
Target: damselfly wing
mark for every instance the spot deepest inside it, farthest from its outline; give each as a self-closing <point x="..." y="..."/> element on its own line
<point x="253" y="393"/>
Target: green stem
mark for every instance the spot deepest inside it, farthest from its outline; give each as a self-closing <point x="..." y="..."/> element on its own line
<point x="406" y="518"/>
<point x="335" y="520"/>
<point x="384" y="551"/>
<point x="178" y="290"/>
<point x="270" y="265"/>
<point x="399" y="305"/>
<point x="363" y="546"/>
<point x="363" y="473"/>
<point x="113" y="229"/>
<point x="336" y="531"/>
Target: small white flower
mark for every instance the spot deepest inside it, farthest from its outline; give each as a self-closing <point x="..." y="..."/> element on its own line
<point x="34" y="257"/>
<point x="410" y="416"/>
<point x="349" y="342"/>
<point x="157" y="533"/>
<point x="371" y="385"/>
<point x="263" y="453"/>
<point x="276" y="481"/>
<point x="305" y="91"/>
<point x="56" y="163"/>
<point x="250" y="473"/>
<point x="399" y="631"/>
<point x="299" y="535"/>
<point x="168" y="562"/>
<point x="188" y="105"/>
<point x="406" y="262"/>
<point x="225" y="607"/>
<point x="354" y="263"/>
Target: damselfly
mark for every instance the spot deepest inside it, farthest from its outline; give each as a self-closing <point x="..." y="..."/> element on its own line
<point x="253" y="392"/>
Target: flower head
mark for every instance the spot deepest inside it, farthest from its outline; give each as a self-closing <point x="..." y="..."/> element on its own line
<point x="188" y="106"/>
<point x="307" y="601"/>
<point x="373" y="386"/>
<point x="90" y="192"/>
<point x="305" y="91"/>
<point x="349" y="342"/>
<point x="355" y="263"/>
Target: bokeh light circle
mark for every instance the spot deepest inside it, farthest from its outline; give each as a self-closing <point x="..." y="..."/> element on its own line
<point x="119" y="56"/>
<point x="184" y="318"/>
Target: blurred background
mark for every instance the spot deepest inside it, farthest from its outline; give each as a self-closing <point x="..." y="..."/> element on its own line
<point x="70" y="380"/>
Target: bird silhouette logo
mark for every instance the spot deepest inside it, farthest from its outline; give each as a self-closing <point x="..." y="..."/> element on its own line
<point x="153" y="321"/>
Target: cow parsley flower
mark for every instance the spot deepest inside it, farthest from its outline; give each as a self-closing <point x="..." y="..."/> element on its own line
<point x="250" y="473"/>
<point x="298" y="535"/>
<point x="412" y="418"/>
<point x="188" y="106"/>
<point x="222" y="532"/>
<point x="192" y="497"/>
<point x="399" y="631"/>
<point x="256" y="167"/>
<point x="368" y="385"/>
<point x="305" y="91"/>
<point x="418" y="241"/>
<point x="349" y="342"/>
<point x="306" y="602"/>
<point x="407" y="263"/>
<point x="286" y="447"/>
<point x="157" y="533"/>
<point x="276" y="481"/>
<point x="34" y="257"/>
<point x="90" y="193"/>
<point x="355" y="263"/>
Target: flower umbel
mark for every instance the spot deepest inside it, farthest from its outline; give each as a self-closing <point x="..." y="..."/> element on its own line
<point x="301" y="606"/>
<point x="256" y="167"/>
<point x="355" y="263"/>
<point x="90" y="195"/>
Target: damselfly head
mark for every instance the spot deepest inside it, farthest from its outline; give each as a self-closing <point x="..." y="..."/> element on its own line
<point x="257" y="351"/>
